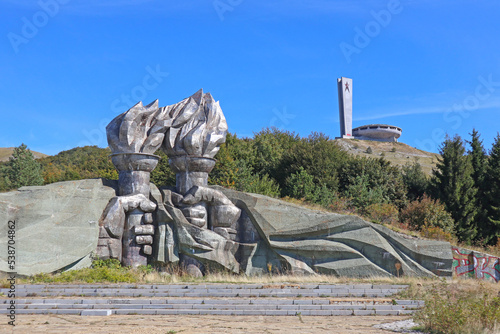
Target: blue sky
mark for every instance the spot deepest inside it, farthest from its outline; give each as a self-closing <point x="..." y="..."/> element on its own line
<point x="70" y="66"/>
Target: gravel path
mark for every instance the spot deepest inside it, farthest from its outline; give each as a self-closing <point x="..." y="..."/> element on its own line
<point x="37" y="324"/>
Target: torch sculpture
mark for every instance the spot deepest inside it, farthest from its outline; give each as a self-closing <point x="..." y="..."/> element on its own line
<point x="133" y="138"/>
<point x="191" y="132"/>
<point x="191" y="143"/>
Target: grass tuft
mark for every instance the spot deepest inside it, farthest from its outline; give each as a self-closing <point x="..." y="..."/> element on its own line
<point x="456" y="307"/>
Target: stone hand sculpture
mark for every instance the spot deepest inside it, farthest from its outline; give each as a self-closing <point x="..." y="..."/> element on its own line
<point x="113" y="225"/>
<point x="191" y="132"/>
<point x="200" y="226"/>
<point x="191" y="143"/>
<point x="133" y="138"/>
<point x="222" y="213"/>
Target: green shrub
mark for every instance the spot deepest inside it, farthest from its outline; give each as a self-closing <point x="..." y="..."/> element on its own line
<point x="369" y="150"/>
<point x="109" y="271"/>
<point x="108" y="263"/>
<point x="415" y="180"/>
<point x="427" y="212"/>
<point x="88" y="275"/>
<point x="319" y="156"/>
<point x="324" y="196"/>
<point x="257" y="184"/>
<point x="362" y="195"/>
<point x="301" y="185"/>
<point x="378" y="176"/>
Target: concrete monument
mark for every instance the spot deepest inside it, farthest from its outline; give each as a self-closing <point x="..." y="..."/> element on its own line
<point x="192" y="224"/>
<point x="376" y="132"/>
<point x="344" y="86"/>
<point x="202" y="226"/>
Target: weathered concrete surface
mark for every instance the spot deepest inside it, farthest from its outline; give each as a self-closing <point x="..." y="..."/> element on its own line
<point x="56" y="225"/>
<point x="310" y="241"/>
<point x="201" y="244"/>
<point x="57" y="228"/>
<point x="471" y="264"/>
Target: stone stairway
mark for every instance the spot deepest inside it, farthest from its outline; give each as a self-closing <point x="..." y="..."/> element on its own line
<point x="210" y="299"/>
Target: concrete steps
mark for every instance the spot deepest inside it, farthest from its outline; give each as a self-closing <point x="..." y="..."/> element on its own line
<point x="209" y="290"/>
<point x="210" y="299"/>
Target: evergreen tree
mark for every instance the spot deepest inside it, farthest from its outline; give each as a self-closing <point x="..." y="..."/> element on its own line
<point x="4" y="179"/>
<point x="478" y="158"/>
<point x="453" y="185"/>
<point x="162" y="175"/>
<point x="23" y="169"/>
<point x="492" y="231"/>
<point x="416" y="181"/>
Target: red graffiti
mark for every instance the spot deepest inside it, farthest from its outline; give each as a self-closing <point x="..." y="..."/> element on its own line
<point x="473" y="264"/>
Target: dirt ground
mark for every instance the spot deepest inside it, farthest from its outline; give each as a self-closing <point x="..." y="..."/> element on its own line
<point x="34" y="324"/>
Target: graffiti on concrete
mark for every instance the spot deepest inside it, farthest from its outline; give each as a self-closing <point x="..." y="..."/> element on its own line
<point x="468" y="263"/>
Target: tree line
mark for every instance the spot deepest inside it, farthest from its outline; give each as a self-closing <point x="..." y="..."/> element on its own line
<point x="459" y="201"/>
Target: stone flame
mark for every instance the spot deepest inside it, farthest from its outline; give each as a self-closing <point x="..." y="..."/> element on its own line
<point x="198" y="127"/>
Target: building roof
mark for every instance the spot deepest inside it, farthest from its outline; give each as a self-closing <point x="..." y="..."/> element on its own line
<point x="378" y="126"/>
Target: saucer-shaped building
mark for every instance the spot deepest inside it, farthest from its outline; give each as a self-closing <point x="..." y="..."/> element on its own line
<point x="378" y="132"/>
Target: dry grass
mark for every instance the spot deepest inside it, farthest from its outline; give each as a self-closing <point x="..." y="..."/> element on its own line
<point x="305" y="204"/>
<point x="110" y="271"/>
<point x="419" y="288"/>
<point x="397" y="153"/>
<point x="490" y="250"/>
<point x="458" y="307"/>
<point x="417" y="285"/>
<point x="6" y="153"/>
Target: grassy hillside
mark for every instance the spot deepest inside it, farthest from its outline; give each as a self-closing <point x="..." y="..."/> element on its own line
<point x="6" y="153"/>
<point x="396" y="153"/>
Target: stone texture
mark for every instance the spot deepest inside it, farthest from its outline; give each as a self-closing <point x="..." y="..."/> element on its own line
<point x="56" y="225"/>
<point x="122" y="226"/>
<point x="140" y="129"/>
<point x="307" y="241"/>
<point x="133" y="138"/>
<point x="198" y="127"/>
<point x="199" y="243"/>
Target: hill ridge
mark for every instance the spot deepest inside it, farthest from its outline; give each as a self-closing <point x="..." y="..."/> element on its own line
<point x="397" y="153"/>
<point x="6" y="153"/>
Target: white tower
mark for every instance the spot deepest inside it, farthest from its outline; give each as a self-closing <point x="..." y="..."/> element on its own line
<point x="344" y="86"/>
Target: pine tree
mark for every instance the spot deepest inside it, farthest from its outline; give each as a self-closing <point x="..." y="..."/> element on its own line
<point x="416" y="181"/>
<point x="23" y="169"/>
<point x="493" y="194"/>
<point x="453" y="185"/>
<point x="479" y="159"/>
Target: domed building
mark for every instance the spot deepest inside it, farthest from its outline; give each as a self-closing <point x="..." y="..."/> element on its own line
<point x="378" y="132"/>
